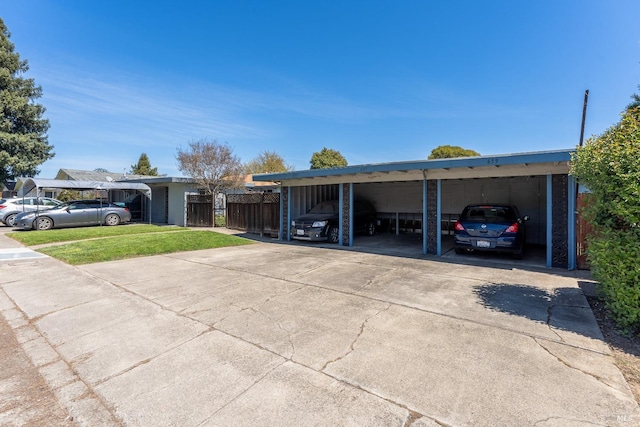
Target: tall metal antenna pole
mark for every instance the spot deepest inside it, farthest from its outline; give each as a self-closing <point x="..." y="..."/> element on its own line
<point x="584" y="115"/>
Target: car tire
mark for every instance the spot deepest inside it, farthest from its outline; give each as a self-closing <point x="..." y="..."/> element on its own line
<point x="112" y="219"/>
<point x="459" y="251"/>
<point x="371" y="229"/>
<point x="333" y="234"/>
<point x="43" y="223"/>
<point x="10" y="220"/>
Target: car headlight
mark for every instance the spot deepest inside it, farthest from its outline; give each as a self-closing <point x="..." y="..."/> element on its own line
<point x="28" y="216"/>
<point x="319" y="224"/>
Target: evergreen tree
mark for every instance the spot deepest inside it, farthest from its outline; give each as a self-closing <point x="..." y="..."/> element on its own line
<point x="450" y="152"/>
<point x="143" y="167"/>
<point x="23" y="131"/>
<point x="327" y="158"/>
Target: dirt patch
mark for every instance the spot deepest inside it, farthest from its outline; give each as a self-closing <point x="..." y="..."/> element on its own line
<point x="26" y="398"/>
<point x="625" y="348"/>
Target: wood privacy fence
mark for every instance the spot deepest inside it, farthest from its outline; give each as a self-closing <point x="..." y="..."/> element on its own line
<point x="583" y="229"/>
<point x="254" y="213"/>
<point x="199" y="210"/>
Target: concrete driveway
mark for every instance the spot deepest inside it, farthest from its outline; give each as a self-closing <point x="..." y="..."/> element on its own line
<point x="290" y="334"/>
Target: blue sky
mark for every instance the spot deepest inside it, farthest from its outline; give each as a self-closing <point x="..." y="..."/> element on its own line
<point x="378" y="81"/>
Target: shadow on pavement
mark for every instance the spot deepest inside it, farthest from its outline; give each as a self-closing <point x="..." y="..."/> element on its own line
<point x="560" y="308"/>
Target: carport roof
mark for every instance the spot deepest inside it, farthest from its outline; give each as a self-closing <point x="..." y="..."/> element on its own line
<point x="520" y="164"/>
<point x="29" y="184"/>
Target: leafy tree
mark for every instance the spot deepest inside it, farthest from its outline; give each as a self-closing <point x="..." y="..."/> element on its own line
<point x="608" y="166"/>
<point x="68" y="195"/>
<point x="103" y="170"/>
<point x="266" y="162"/>
<point x="212" y="164"/>
<point x="143" y="167"/>
<point x="327" y="158"/>
<point x="451" y="151"/>
<point x="23" y="132"/>
<point x="636" y="101"/>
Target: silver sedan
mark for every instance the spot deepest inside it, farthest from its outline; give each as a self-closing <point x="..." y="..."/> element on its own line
<point x="77" y="213"/>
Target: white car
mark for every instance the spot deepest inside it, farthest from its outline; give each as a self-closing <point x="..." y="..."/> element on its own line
<point x="11" y="207"/>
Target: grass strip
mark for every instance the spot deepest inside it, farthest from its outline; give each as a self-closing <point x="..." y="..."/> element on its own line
<point x="40" y="237"/>
<point x="130" y="246"/>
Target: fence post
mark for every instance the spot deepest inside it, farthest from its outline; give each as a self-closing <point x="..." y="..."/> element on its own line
<point x="261" y="219"/>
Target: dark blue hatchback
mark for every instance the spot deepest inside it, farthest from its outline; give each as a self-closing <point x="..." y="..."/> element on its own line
<point x="490" y="228"/>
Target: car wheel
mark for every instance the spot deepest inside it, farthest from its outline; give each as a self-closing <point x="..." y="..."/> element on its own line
<point x="371" y="229"/>
<point x="459" y="251"/>
<point x="112" y="219"/>
<point x="44" y="223"/>
<point x="333" y="234"/>
<point x="10" y="220"/>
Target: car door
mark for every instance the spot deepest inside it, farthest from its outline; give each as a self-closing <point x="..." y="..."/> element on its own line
<point x="78" y="213"/>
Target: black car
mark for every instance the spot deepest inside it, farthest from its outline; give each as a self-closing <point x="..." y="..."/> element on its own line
<point x="321" y="222"/>
<point x="490" y="227"/>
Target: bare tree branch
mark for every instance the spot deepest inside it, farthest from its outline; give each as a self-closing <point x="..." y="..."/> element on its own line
<point x="212" y="164"/>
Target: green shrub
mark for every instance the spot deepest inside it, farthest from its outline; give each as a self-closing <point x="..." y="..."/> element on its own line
<point x="608" y="165"/>
<point x="220" y="221"/>
<point x="614" y="256"/>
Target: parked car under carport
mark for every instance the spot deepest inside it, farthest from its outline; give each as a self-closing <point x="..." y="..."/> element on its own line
<point x="321" y="222"/>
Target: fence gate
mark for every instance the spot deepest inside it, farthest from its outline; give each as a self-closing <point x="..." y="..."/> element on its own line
<point x="583" y="229"/>
<point x="254" y="213"/>
<point x="199" y="210"/>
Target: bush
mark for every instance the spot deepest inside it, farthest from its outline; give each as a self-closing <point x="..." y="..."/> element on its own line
<point x="614" y="256"/>
<point x="608" y="165"/>
<point x="219" y="221"/>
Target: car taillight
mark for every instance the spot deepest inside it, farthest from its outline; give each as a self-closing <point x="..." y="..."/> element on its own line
<point x="459" y="226"/>
<point x="513" y="228"/>
<point x="2" y="206"/>
<point x="126" y="209"/>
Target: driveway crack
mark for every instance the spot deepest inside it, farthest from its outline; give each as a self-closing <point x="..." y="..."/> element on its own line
<point x="549" y="314"/>
<point x="562" y="361"/>
<point x="355" y="340"/>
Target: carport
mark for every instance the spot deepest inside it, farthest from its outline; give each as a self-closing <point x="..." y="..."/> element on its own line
<point x="429" y="193"/>
<point x="30" y="185"/>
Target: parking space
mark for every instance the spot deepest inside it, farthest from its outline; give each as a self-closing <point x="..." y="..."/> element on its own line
<point x="282" y="333"/>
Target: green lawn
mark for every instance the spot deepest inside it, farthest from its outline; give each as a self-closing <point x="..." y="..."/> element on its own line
<point x="98" y="244"/>
<point x="33" y="237"/>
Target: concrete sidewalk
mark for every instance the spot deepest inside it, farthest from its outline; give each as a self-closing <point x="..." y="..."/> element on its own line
<point x="289" y="334"/>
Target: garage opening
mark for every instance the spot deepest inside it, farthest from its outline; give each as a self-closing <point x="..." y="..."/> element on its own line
<point x="400" y="213"/>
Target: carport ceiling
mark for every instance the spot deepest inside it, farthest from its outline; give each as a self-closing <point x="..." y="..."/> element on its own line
<point x="525" y="164"/>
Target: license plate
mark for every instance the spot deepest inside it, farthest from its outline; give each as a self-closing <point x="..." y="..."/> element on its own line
<point x="300" y="232"/>
<point x="483" y="244"/>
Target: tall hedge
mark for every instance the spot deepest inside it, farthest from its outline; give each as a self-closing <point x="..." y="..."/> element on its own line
<point x="609" y="166"/>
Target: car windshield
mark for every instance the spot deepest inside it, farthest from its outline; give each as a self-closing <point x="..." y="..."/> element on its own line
<point x="490" y="214"/>
<point x="324" y="208"/>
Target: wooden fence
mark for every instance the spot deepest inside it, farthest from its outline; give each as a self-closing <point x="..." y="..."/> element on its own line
<point x="254" y="213"/>
<point x="583" y="229"/>
<point x="199" y="210"/>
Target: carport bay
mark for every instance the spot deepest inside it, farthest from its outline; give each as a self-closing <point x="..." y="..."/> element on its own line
<point x="426" y="196"/>
<point x="36" y="186"/>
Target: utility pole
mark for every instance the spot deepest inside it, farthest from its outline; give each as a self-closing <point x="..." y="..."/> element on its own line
<point x="584" y="115"/>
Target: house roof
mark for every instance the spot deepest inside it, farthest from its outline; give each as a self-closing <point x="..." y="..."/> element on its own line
<point x="83" y="175"/>
<point x="520" y="164"/>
